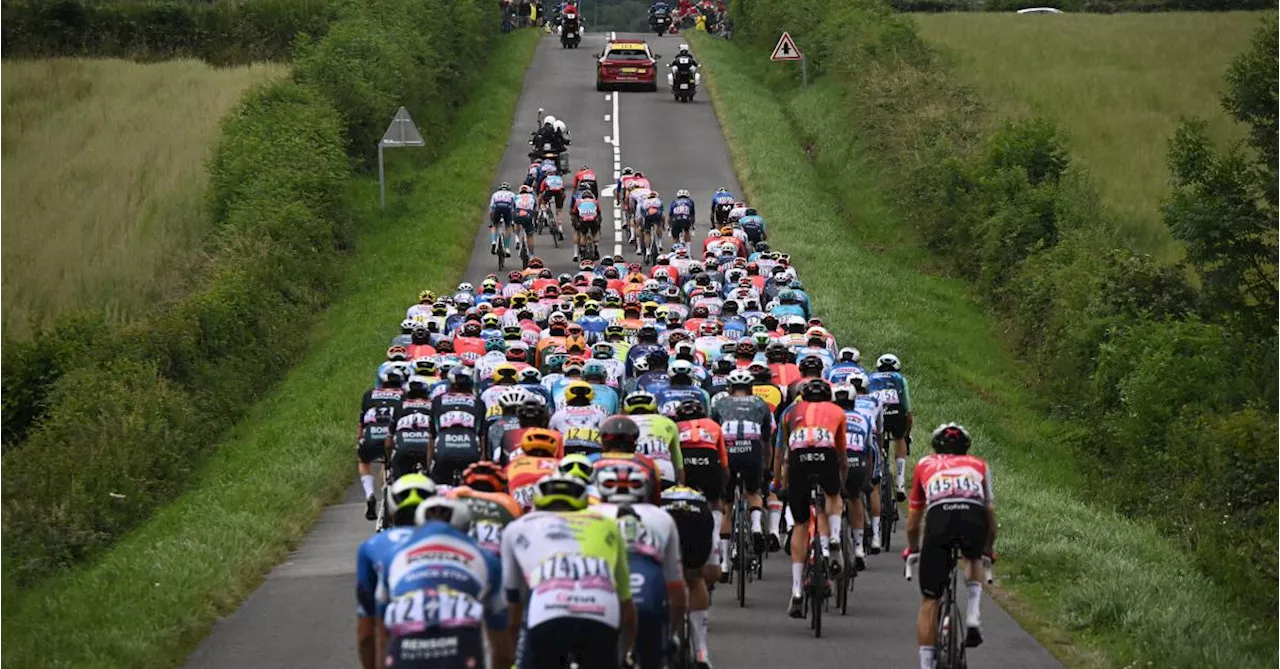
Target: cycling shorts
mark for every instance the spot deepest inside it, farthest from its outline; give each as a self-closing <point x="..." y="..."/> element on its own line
<point x="587" y="227"/>
<point x="409" y="448"/>
<point x="556" y="195"/>
<point x="525" y="222"/>
<point x="702" y="470"/>
<point x="748" y="467"/>
<point x="803" y="465"/>
<point x="895" y="422"/>
<point x="652" y="220"/>
<point x="446" y="469"/>
<point x="679" y="226"/>
<point x="500" y="215"/>
<point x="547" y="645"/>
<point x="721" y="213"/>
<point x="694" y="524"/>
<point x="960" y="524"/>
<point x="372" y="445"/>
<point x="450" y="649"/>
<point x="857" y="476"/>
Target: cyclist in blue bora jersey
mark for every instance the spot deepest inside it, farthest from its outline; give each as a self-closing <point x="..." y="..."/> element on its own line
<point x="721" y="204"/>
<point x="681" y="216"/>
<point x="501" y="210"/>
<point x="888" y="384"/>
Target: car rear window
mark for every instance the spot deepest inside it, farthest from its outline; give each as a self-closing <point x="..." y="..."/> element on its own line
<point x="628" y="54"/>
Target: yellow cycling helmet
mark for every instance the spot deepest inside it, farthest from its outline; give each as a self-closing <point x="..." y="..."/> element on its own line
<point x="411" y="490"/>
<point x="640" y="402"/>
<point x="564" y="488"/>
<point x="540" y="442"/>
<point x="491" y="320"/>
<point x="580" y="391"/>
<point x="426" y="296"/>
<point x="505" y="372"/>
<point x="576" y="465"/>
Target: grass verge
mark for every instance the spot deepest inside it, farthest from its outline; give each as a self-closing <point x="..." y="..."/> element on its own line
<point x="147" y="601"/>
<point x="1096" y="588"/>
<point x="106" y="179"/>
<point x="1117" y="84"/>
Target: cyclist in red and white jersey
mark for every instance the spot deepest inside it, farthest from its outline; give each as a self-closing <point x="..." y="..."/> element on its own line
<point x="951" y="496"/>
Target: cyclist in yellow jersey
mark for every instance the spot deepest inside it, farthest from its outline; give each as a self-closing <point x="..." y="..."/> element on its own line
<point x="567" y="567"/>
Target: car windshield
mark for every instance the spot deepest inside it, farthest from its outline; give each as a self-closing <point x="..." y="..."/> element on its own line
<point x="628" y="53"/>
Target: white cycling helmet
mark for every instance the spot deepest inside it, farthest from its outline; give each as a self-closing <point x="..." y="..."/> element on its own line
<point x="741" y="377"/>
<point x="891" y="361"/>
<point x="850" y="354"/>
<point x="465" y="287"/>
<point x="456" y="512"/>
<point x="683" y="192"/>
<point x="512" y="397"/>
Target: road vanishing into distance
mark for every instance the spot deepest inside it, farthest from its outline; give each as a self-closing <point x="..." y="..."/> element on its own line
<point x="303" y="615"/>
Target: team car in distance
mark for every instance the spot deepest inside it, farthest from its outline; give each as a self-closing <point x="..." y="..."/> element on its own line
<point x="627" y="63"/>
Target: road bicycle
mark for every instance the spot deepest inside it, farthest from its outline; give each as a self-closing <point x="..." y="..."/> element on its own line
<point x="849" y="571"/>
<point x="503" y="244"/>
<point x="948" y="647"/>
<point x="888" y="497"/>
<point x="747" y="565"/>
<point x="816" y="588"/>
<point x="546" y="219"/>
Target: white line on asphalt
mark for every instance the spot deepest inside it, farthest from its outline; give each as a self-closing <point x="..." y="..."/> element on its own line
<point x="607" y="117"/>
<point x="617" y="165"/>
<point x="607" y="140"/>
<point x="607" y="97"/>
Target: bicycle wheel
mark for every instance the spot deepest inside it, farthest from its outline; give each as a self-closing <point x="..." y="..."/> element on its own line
<point x="817" y="583"/>
<point x="502" y="247"/>
<point x="740" y="544"/>
<point x="848" y="574"/>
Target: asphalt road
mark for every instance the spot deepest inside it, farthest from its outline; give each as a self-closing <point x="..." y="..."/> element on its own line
<point x="303" y="614"/>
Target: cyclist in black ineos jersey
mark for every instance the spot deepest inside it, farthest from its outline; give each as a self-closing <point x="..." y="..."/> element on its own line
<point x="747" y="424"/>
<point x="377" y="411"/>
<point x="457" y="417"/>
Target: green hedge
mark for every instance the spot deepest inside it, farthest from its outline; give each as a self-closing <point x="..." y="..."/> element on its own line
<point x="1180" y="401"/>
<point x="103" y="421"/>
<point x="220" y="31"/>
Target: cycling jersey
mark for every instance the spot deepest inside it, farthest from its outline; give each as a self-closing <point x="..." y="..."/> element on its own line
<point x="671" y="397"/>
<point x="706" y="461"/>
<point x="457" y="423"/>
<point x="814" y="435"/>
<point x="941" y="478"/>
<point x="490" y="513"/>
<point x="436" y="595"/>
<point x="502" y="200"/>
<point x="377" y="413"/>
<point x="660" y="441"/>
<point x="411" y="433"/>
<point x="524" y="206"/>
<point x="523" y="473"/>
<point x="568" y="565"/>
<point x="577" y="416"/>
<point x="841" y="372"/>
<point x="582" y="440"/>
<point x="891" y="388"/>
<point x="369" y="558"/>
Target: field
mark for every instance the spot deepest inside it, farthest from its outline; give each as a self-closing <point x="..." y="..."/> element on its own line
<point x="1117" y="84"/>
<point x="104" y="180"/>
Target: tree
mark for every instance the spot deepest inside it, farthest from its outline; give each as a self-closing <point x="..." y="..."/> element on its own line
<point x="1223" y="205"/>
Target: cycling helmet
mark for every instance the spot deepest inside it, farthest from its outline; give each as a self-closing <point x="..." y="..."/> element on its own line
<point x="722" y="189"/>
<point x="504" y="186"/>
<point x="579" y="393"/>
<point x="602" y="350"/>
<point x="843" y="393"/>
<point x="577" y="465"/>
<point x="505" y="374"/>
<point x="540" y="442"/>
<point x="419" y="383"/>
<point x="533" y="413"/>
<point x="427" y="296"/>
<point x="889" y="363"/>
<point x="460" y="377"/>
<point x="407" y="325"/>
<point x="456" y="512"/>
<point x="690" y="410"/>
<point x="639" y="402"/>
<point x="681" y="367"/>
<point x="465" y="287"/>
<point x="815" y="390"/>
<point x="850" y="354"/>
<point x="859" y="381"/>
<point x="640" y="366"/>
<point x="494" y="344"/>
<point x="530" y="375"/>
<point x="627" y="171"/>
<point x="393" y="376"/>
<point x="594" y="370"/>
<point x="512" y="398"/>
<point x="535" y="263"/>
<point x="741" y="378"/>
<point x="619" y="433"/>
<point x="684" y="49"/>
<point x="397" y="353"/>
<point x="485" y="476"/>
<point x="811" y="363"/>
<point x="549" y="120"/>
<point x="425" y="367"/>
<point x="471" y="329"/>
<point x="708" y="328"/>
<point x="683" y="192"/>
<point x="623" y="481"/>
<point x="952" y="439"/>
<point x="409" y="491"/>
<point x="518" y="352"/>
<point x="562" y="488"/>
<point x="658" y="359"/>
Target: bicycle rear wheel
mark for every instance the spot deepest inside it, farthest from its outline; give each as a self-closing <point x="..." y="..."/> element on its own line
<point x="740" y="544"/>
<point x="502" y="248"/>
<point x="817" y="583"/>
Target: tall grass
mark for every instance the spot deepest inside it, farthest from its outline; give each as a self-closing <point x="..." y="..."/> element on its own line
<point x="149" y="599"/>
<point x="103" y="181"/>
<point x="1118" y="84"/>
<point x="1097" y="588"/>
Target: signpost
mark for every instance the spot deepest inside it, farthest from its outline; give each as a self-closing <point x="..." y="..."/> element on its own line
<point x="401" y="133"/>
<point x="786" y="50"/>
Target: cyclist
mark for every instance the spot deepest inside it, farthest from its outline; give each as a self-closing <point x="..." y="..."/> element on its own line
<point x="441" y="591"/>
<point x="552" y="190"/>
<point x="524" y="207"/>
<point x="562" y="553"/>
<point x="579" y="410"/>
<point x="889" y="385"/>
<point x="586" y="178"/>
<point x="848" y="362"/>
<point x="539" y="449"/>
<point x="812" y="437"/>
<point x="653" y="554"/>
<point x="652" y="216"/>
<point x="682" y="387"/>
<point x="951" y="495"/>
<point x="721" y="204"/>
<point x="869" y="406"/>
<point x="659" y="439"/>
<point x="484" y="489"/>
<point x="858" y="444"/>
<point x="747" y="424"/>
<point x="586" y="222"/>
<point x="696" y="528"/>
<point x="457" y="418"/>
<point x="501" y="207"/>
<point x="406" y="494"/>
<point x="377" y="411"/>
<point x="411" y="436"/>
<point x="706" y="464"/>
<point x="596" y="373"/>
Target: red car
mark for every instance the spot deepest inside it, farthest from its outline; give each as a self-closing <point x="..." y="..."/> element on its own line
<point x="627" y="63"/>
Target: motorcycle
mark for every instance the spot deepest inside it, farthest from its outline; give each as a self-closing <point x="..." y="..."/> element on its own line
<point x="570" y="36"/>
<point x="684" y="84"/>
<point x="660" y="23"/>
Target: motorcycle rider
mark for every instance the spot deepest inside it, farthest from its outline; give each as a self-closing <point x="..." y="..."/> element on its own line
<point x="684" y="67"/>
<point x="658" y="9"/>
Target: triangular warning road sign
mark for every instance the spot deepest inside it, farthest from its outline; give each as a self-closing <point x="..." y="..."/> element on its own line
<point x="402" y="131"/>
<point x="786" y="49"/>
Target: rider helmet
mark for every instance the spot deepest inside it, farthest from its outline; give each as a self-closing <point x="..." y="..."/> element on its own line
<point x="850" y="354"/>
<point x="889" y="363"/>
<point x="815" y="390"/>
<point x="690" y="409"/>
<point x="741" y="378"/>
<point x="540" y="442"/>
<point x="454" y="511"/>
<point x="640" y="402"/>
<point x="575" y="464"/>
<point x="619" y="433"/>
<point x="563" y="488"/>
<point x="952" y="439"/>
<point x="622" y="482"/>
<point x="504" y="186"/>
